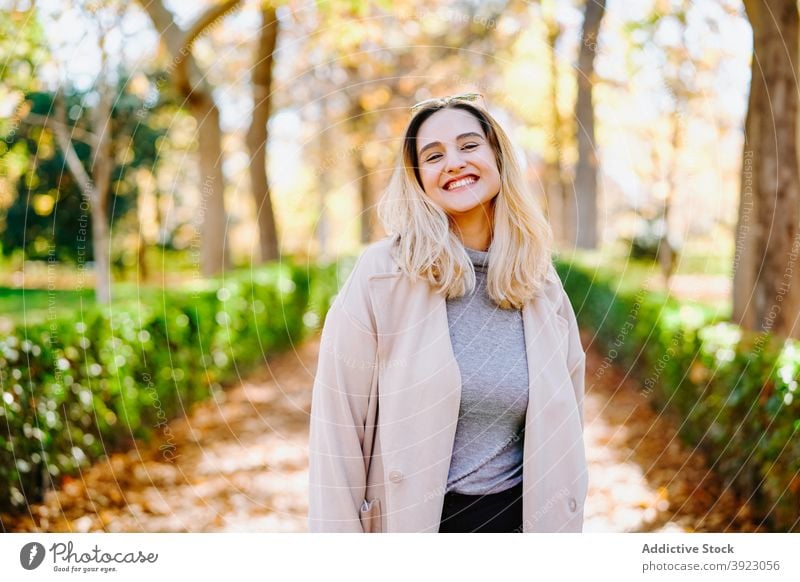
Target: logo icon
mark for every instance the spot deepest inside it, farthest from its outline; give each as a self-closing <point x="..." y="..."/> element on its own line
<point x="31" y="555"/>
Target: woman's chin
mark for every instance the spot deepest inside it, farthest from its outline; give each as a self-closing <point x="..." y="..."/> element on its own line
<point x="466" y="207"/>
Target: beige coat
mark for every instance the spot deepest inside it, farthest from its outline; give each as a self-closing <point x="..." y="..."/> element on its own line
<point x="388" y="333"/>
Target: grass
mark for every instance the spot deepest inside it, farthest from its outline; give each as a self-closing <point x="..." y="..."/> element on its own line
<point x="34" y="291"/>
<point x="37" y="302"/>
<point x="20" y="306"/>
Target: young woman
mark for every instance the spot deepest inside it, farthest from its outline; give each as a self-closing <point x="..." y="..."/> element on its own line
<point x="449" y="390"/>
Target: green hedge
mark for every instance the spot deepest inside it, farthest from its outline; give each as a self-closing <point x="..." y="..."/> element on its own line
<point x="75" y="389"/>
<point x="735" y="392"/>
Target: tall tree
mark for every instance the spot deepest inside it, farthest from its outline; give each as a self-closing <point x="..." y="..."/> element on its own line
<point x="745" y="267"/>
<point x="766" y="294"/>
<point x="361" y="125"/>
<point x="257" y="134"/>
<point x="323" y="185"/>
<point x="197" y="92"/>
<point x="94" y="182"/>
<point x="557" y="188"/>
<point x="586" y="170"/>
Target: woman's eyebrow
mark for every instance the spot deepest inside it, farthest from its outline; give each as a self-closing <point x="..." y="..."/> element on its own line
<point x="437" y="143"/>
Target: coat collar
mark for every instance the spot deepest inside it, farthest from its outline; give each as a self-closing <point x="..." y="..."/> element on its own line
<point x="405" y="304"/>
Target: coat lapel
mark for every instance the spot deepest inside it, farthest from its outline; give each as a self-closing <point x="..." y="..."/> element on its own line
<point x="418" y="399"/>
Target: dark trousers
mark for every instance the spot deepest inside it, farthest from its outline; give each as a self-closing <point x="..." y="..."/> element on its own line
<point x="493" y="513"/>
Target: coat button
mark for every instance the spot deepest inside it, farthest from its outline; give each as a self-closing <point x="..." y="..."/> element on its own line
<point x="395" y="476"/>
<point x="573" y="505"/>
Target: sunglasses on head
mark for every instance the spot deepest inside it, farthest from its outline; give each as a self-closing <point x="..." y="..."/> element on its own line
<point x="444" y="101"/>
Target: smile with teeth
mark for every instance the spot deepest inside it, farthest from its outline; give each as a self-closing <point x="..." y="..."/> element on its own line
<point x="462" y="182"/>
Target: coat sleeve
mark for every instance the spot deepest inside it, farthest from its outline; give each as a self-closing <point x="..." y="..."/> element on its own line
<point x="576" y="356"/>
<point x="346" y="371"/>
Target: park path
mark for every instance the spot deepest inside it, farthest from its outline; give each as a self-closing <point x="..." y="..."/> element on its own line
<point x="241" y="465"/>
<point x="642" y="476"/>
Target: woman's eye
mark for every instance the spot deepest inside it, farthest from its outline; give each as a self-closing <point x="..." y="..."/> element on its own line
<point x="467" y="147"/>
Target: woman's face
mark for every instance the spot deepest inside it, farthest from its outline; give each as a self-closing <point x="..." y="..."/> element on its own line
<point x="457" y="164"/>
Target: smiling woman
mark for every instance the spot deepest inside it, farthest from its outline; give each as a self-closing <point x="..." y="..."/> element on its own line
<point x="447" y="142"/>
<point x="477" y="426"/>
<point x="459" y="173"/>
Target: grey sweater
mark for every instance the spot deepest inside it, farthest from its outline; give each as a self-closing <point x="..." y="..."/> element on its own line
<point x="489" y="347"/>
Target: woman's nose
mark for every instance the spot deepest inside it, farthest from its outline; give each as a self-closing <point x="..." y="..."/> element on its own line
<point x="454" y="161"/>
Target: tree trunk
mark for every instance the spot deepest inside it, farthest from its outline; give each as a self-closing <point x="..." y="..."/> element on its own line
<point x="94" y="187"/>
<point x="666" y="254"/>
<point x="586" y="170"/>
<point x="775" y="176"/>
<point x="191" y="84"/>
<point x="367" y="203"/>
<point x="257" y="135"/>
<point x="322" y="229"/>
<point x="360" y="128"/>
<point x="102" y="165"/>
<point x="747" y="228"/>
<point x="556" y="187"/>
<point x="100" y="247"/>
<point x="141" y="258"/>
<point x="214" y="254"/>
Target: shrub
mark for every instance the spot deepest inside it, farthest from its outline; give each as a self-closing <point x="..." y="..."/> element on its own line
<point x="76" y="388"/>
<point x="736" y="391"/>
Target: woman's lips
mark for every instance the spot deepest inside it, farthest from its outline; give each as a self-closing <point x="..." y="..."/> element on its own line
<point x="464" y="182"/>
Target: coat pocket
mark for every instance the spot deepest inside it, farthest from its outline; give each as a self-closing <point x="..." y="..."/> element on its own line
<point x="370" y="514"/>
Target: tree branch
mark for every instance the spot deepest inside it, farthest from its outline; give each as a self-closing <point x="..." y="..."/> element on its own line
<point x="180" y="43"/>
<point x="70" y="156"/>
<point x="73" y="132"/>
<point x="164" y="24"/>
<point x="216" y="12"/>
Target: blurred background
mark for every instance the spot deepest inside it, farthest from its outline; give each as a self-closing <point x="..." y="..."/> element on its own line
<point x="183" y="186"/>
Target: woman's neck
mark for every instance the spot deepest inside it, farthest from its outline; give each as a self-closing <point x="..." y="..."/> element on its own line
<point x="475" y="228"/>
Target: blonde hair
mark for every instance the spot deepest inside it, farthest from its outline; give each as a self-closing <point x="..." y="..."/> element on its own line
<point x="427" y="247"/>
